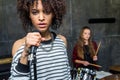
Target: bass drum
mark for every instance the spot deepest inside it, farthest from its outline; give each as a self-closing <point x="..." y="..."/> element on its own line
<point x="85" y="74"/>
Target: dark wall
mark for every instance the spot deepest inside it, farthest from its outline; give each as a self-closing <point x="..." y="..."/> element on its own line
<point x="78" y="14"/>
<point x="10" y="27"/>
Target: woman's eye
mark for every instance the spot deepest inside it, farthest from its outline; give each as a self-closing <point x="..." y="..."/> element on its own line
<point x="34" y="12"/>
<point x="46" y="12"/>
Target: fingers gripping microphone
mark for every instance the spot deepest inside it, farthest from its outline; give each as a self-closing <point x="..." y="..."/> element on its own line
<point x="33" y="48"/>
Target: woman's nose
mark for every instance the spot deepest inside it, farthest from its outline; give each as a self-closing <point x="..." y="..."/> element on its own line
<point x="41" y="17"/>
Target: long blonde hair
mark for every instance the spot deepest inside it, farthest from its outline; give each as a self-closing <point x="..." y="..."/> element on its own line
<point x="80" y="44"/>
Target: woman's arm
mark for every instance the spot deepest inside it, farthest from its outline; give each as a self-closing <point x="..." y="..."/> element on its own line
<point x="64" y="39"/>
<point x="16" y="46"/>
<point x="18" y="71"/>
<point x="85" y="63"/>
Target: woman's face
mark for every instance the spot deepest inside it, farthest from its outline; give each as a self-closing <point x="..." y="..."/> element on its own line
<point x="40" y="19"/>
<point x="86" y="34"/>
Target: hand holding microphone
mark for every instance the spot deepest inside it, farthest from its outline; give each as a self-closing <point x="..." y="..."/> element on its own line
<point x="32" y="41"/>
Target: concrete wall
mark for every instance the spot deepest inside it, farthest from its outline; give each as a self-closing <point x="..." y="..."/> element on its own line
<point x="10" y="27"/>
<point x="78" y="14"/>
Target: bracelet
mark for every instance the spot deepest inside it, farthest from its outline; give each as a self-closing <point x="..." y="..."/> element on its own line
<point x="26" y="50"/>
<point x="23" y="56"/>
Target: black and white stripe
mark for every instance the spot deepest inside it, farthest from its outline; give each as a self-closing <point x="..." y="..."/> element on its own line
<point x="51" y="65"/>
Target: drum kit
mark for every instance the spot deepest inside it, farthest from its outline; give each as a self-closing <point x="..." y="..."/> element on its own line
<point x="86" y="73"/>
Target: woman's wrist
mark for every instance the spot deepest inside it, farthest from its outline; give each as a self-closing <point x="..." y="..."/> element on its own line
<point x="25" y="53"/>
<point x="24" y="59"/>
<point x="24" y="56"/>
<point x="79" y="61"/>
<point x="82" y="62"/>
<point x="26" y="50"/>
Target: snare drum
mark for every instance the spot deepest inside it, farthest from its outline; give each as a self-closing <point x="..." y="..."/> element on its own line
<point x="86" y="74"/>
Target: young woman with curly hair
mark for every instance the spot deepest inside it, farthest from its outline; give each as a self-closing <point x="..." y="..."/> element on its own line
<point x="51" y="54"/>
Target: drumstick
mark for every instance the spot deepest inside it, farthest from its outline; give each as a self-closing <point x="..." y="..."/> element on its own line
<point x="98" y="48"/>
<point x="95" y="65"/>
<point x="77" y="61"/>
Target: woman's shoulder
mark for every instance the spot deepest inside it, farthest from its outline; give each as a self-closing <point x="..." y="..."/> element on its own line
<point x="63" y="38"/>
<point x="17" y="44"/>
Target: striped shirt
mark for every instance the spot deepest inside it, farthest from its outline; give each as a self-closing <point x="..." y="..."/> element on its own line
<point x="52" y="63"/>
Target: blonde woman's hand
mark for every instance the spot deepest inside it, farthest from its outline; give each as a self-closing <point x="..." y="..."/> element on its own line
<point x="95" y="58"/>
<point x="86" y="63"/>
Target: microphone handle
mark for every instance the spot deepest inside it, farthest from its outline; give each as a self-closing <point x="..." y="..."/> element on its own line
<point x="33" y="49"/>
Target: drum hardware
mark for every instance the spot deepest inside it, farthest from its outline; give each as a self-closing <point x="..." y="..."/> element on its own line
<point x="86" y="74"/>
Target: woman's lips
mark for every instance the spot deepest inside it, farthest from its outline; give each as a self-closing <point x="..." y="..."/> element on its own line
<point x="41" y="25"/>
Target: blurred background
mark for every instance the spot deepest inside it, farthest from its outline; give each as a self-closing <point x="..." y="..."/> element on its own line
<point x="79" y="13"/>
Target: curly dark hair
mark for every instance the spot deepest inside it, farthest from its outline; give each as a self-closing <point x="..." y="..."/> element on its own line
<point x="57" y="7"/>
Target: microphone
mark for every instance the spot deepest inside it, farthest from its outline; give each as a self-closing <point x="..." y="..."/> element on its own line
<point x="32" y="59"/>
<point x="33" y="48"/>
